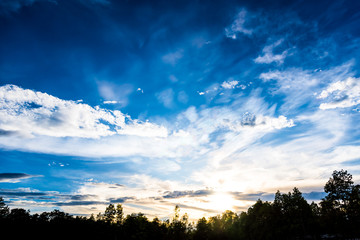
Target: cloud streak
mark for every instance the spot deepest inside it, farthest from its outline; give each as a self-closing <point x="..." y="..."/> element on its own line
<point x="268" y="55"/>
<point x="238" y="26"/>
<point x="15" y="177"/>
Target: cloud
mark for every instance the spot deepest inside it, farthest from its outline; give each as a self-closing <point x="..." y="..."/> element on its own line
<point x="341" y="94"/>
<point x="229" y="84"/>
<point x="192" y="133"/>
<point x="79" y="203"/>
<point x="268" y="55"/>
<point x="15" y="177"/>
<point x="121" y="200"/>
<point x="9" y="6"/>
<point x="144" y="129"/>
<point x="303" y="157"/>
<point x="253" y="196"/>
<point x="29" y="114"/>
<point x="219" y="93"/>
<point x="179" y="194"/>
<point x="183" y="97"/>
<point x="166" y="97"/>
<point x="110" y="102"/>
<point x="34" y="113"/>
<point x="154" y="196"/>
<point x="238" y="26"/>
<point x="260" y="122"/>
<point x="173" y="57"/>
<point x="114" y="93"/>
<point x="300" y="86"/>
<point x="7" y="133"/>
<point x="21" y="192"/>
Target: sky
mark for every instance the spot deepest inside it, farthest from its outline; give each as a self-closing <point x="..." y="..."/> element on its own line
<point x="209" y="105"/>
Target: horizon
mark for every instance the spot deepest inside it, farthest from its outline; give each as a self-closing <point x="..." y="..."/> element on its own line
<point x="205" y="105"/>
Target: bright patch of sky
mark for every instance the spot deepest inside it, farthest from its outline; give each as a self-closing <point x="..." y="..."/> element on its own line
<point x="153" y="104"/>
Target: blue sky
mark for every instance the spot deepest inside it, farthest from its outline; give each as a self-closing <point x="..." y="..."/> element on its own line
<point x="208" y="105"/>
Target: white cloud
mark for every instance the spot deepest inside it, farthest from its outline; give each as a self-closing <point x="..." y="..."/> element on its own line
<point x="173" y="57"/>
<point x="300" y="86"/>
<point x="154" y="197"/>
<point x="144" y="129"/>
<point x="32" y="114"/>
<point x="82" y="130"/>
<point x="341" y="94"/>
<point x="238" y="26"/>
<point x="268" y="55"/>
<point x="35" y="113"/>
<point x="110" y="102"/>
<point x="166" y="97"/>
<point x="304" y="159"/>
<point x="229" y="84"/>
<point x="114" y="93"/>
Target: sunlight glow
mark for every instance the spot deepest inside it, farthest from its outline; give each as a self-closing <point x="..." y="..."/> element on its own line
<point x="221" y="201"/>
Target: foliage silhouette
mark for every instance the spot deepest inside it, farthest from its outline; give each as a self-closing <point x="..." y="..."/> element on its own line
<point x="289" y="216"/>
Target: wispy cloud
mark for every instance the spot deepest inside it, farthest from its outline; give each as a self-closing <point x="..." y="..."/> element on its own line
<point x="301" y="85"/>
<point x="172" y="58"/>
<point x="45" y="120"/>
<point x="268" y="55"/>
<point x="9" y="6"/>
<point x="166" y="97"/>
<point x="114" y="93"/>
<point x="238" y="26"/>
<point x="15" y="177"/>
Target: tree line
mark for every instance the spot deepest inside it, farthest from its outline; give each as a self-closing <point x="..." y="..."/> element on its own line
<point x="289" y="216"/>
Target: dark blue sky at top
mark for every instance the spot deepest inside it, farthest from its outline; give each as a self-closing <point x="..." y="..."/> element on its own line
<point x="159" y="58"/>
<point x="65" y="48"/>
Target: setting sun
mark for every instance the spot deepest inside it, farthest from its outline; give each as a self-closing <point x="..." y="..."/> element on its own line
<point x="221" y="201"/>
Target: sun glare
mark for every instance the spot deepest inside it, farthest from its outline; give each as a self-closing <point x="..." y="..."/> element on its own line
<point x="221" y="201"/>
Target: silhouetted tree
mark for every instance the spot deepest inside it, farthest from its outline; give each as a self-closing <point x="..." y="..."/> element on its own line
<point x="59" y="216"/>
<point x="353" y="211"/>
<point x="19" y="215"/>
<point x="261" y="221"/>
<point x="4" y="209"/>
<point x="339" y="188"/>
<point x="295" y="213"/>
<point x="202" y="230"/>
<point x="340" y="207"/>
<point x="119" y="214"/>
<point x="178" y="227"/>
<point x="110" y="212"/>
<point x="136" y="226"/>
